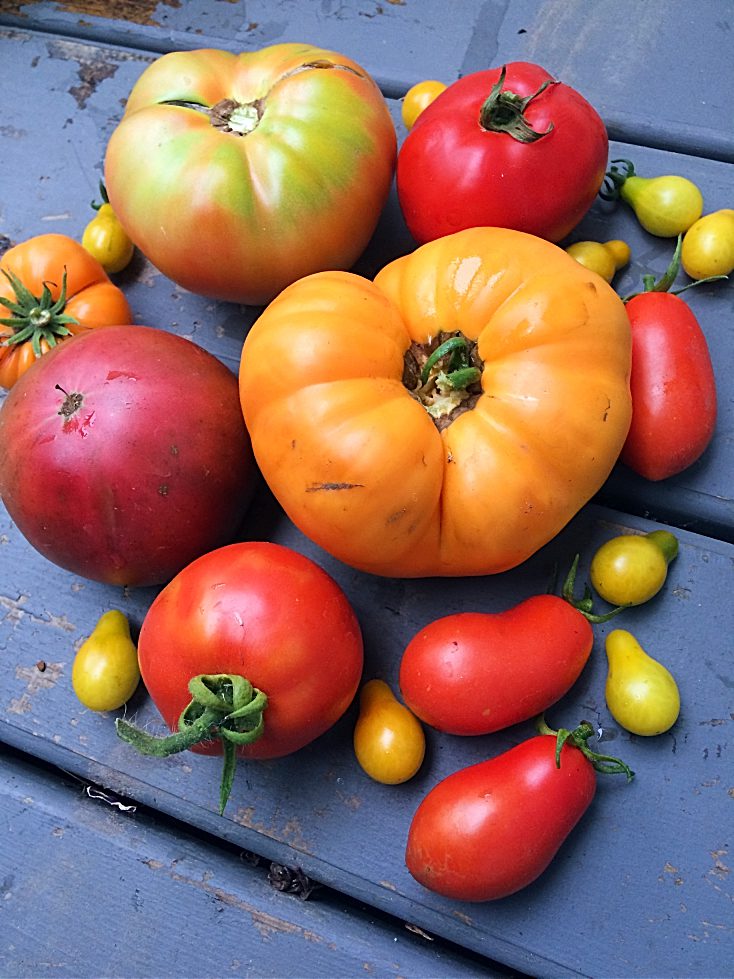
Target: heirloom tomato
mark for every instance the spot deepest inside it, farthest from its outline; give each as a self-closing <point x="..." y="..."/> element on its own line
<point x="258" y="167"/>
<point x="123" y="455"/>
<point x="448" y="418"/>
<point x="475" y="673"/>
<point x="509" y="147"/>
<point x="51" y="288"/>
<point x="491" y="829"/>
<point x="673" y="383"/>
<point x="252" y="650"/>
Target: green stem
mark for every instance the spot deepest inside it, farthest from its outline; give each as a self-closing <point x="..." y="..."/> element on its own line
<point x="585" y="604"/>
<point x="504" y="112"/>
<point x="663" y="284"/>
<point x="224" y="706"/>
<point x="615" y="179"/>
<point x="578" y="738"/>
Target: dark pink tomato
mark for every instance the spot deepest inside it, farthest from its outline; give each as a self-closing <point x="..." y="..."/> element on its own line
<point x="124" y="455"/>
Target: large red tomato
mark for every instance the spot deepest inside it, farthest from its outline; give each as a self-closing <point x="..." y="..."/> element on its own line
<point x="235" y="174"/>
<point x="123" y="454"/>
<point x="510" y="148"/>
<point x="269" y="614"/>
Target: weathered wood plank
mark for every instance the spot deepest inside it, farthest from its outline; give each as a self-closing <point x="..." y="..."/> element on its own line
<point x="93" y="886"/>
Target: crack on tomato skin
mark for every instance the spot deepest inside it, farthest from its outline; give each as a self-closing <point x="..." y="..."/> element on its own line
<point x="317" y="487"/>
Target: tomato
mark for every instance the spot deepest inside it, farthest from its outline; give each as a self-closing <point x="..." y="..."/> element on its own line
<point x="406" y="456"/>
<point x="259" y="167"/>
<point x="673" y="386"/>
<point x="474" y="673"/>
<point x="641" y="693"/>
<point x="708" y="246"/>
<point x="105" y="673"/>
<point x="52" y="288"/>
<point x="665" y="206"/>
<point x="604" y="258"/>
<point x="491" y="829"/>
<point x="509" y="147"/>
<point x="123" y="455"/>
<point x="106" y="239"/>
<point x="631" y="569"/>
<point x="388" y="739"/>
<point x="418" y="98"/>
<point x="265" y="632"/>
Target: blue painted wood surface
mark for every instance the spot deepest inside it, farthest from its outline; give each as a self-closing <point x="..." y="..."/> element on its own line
<point x="644" y="885"/>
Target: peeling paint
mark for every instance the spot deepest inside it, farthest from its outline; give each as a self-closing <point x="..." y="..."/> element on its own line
<point x="135" y="11"/>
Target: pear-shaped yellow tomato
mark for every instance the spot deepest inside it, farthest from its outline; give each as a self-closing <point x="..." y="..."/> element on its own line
<point x="666" y="206"/>
<point x="107" y="241"/>
<point x="632" y="568"/>
<point x="641" y="693"/>
<point x="388" y="740"/>
<point x="708" y="245"/>
<point x="418" y="98"/>
<point x="603" y="257"/>
<point x="448" y="418"/>
<point x="105" y="673"/>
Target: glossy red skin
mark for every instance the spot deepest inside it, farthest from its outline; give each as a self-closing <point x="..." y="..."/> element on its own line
<point x="154" y="469"/>
<point x="476" y="672"/>
<point x="267" y="613"/>
<point x="491" y="829"/>
<point x="453" y="174"/>
<point x="673" y="387"/>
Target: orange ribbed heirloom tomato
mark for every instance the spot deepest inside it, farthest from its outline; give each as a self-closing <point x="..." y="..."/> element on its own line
<point x="235" y="174"/>
<point x="50" y="289"/>
<point x="448" y="418"/>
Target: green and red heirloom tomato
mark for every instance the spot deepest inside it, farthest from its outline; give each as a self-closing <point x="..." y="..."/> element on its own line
<point x="448" y="418"/>
<point x="258" y="168"/>
<point x="253" y="650"/>
<point x="51" y="288"/>
<point x="474" y="672"/>
<point x="123" y="455"/>
<point x="509" y="147"/>
<point x="491" y="829"/>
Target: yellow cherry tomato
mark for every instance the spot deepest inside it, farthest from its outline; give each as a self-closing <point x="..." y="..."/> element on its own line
<point x="632" y="568"/>
<point x="107" y="241"/>
<point x="708" y="245"/>
<point x="418" y="98"/>
<point x="389" y="742"/>
<point x="641" y="693"/>
<point x="105" y="673"/>
<point x="604" y="258"/>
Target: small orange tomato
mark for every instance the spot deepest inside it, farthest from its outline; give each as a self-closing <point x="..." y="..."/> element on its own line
<point x="418" y="98"/>
<point x="388" y="740"/>
<point x="51" y="288"/>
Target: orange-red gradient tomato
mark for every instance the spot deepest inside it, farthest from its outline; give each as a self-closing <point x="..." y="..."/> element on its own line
<point x="380" y="460"/>
<point x="257" y="168"/>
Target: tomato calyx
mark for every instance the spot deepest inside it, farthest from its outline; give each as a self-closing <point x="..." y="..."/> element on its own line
<point x="444" y="376"/>
<point x="35" y="318"/>
<point x="504" y="111"/>
<point x="223" y="705"/>
<point x="579" y="738"/>
<point x="585" y="604"/>
<point x="615" y="178"/>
